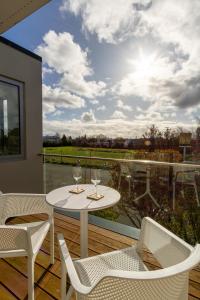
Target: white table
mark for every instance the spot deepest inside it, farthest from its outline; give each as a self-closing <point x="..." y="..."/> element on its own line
<point x="62" y="199"/>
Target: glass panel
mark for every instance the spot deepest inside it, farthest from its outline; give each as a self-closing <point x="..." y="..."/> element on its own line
<point x="9" y="119"/>
<point x="167" y="192"/>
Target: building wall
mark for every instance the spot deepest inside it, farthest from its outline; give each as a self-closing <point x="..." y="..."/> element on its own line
<point x="24" y="175"/>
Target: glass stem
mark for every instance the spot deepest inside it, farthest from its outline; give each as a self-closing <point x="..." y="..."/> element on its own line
<point x="96" y="189"/>
<point x="77" y="185"/>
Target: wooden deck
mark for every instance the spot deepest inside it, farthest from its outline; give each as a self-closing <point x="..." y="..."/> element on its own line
<point x="13" y="271"/>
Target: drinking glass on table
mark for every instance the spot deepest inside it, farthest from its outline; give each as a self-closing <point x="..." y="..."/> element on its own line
<point x="77" y="175"/>
<point x="95" y="178"/>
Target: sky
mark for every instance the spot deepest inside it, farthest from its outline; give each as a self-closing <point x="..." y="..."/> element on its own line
<point x="115" y="67"/>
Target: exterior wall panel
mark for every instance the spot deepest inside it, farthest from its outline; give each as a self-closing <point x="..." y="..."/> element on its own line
<point x="24" y="174"/>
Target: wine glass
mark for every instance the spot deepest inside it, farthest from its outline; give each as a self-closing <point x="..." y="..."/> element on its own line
<point x="95" y="178"/>
<point x="77" y="175"/>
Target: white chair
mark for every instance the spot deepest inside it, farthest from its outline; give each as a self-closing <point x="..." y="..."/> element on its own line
<point x="123" y="275"/>
<point x="25" y="239"/>
<point x="185" y="177"/>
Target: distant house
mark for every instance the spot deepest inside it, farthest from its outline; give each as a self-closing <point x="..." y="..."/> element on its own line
<point x="51" y="139"/>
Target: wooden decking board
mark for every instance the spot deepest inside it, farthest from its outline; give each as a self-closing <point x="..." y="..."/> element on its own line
<point x="104" y="240"/>
<point x="47" y="281"/>
<point x="13" y="274"/>
<point x="6" y="294"/>
<point x="97" y="245"/>
<point x="104" y="232"/>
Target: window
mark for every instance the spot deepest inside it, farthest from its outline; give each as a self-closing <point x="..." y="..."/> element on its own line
<point x="11" y="118"/>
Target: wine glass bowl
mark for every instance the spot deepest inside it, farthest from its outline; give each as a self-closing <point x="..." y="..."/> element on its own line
<point x="95" y="178"/>
<point x="77" y="175"/>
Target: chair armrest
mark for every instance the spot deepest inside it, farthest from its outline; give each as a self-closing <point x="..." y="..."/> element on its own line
<point x="13" y="238"/>
<point x="36" y="234"/>
<point x="184" y="266"/>
<point x="67" y="261"/>
<point x="184" y="172"/>
<point x="24" y="204"/>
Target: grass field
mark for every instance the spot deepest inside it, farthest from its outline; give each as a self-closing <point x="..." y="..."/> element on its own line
<point x="98" y="152"/>
<point x="80" y="151"/>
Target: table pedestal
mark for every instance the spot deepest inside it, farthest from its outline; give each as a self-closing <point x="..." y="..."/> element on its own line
<point x="84" y="233"/>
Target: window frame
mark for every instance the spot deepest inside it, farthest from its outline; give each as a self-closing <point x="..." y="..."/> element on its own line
<point x="20" y="86"/>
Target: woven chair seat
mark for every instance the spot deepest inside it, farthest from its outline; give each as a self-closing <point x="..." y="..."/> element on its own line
<point x="92" y="269"/>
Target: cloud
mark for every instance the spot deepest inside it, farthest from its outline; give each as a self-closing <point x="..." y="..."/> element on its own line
<point x="102" y="108"/>
<point x="62" y="56"/>
<point x="122" y="106"/>
<point x="172" y="25"/>
<point x="163" y="70"/>
<point x="111" y="128"/>
<point x="88" y="117"/>
<point x="58" y="113"/>
<point x="61" y="53"/>
<point x="77" y="84"/>
<point x="153" y="117"/>
<point x="187" y="94"/>
<point x="54" y="98"/>
<point x="112" y="22"/>
<point x="118" y="115"/>
<point x="46" y="71"/>
<point x="94" y="102"/>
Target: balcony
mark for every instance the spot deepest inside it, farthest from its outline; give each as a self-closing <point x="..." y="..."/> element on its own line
<point x="13" y="276"/>
<point x="157" y="189"/>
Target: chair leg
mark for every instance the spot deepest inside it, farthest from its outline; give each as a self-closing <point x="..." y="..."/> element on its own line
<point x="174" y="195"/>
<point x="196" y="194"/>
<point x="31" y="278"/>
<point x="63" y="281"/>
<point x="52" y="243"/>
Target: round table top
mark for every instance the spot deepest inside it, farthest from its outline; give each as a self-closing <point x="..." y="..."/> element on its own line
<point x="61" y="198"/>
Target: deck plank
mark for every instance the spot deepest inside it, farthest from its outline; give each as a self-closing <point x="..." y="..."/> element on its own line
<point x="13" y="275"/>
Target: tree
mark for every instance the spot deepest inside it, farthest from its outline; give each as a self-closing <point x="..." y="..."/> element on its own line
<point x="152" y="134"/>
<point x="64" y="140"/>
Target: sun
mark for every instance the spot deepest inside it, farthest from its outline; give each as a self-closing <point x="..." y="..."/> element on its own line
<point x="144" y="66"/>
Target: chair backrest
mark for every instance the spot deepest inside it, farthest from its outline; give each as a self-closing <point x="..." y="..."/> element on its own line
<point x="12" y="205"/>
<point x="165" y="246"/>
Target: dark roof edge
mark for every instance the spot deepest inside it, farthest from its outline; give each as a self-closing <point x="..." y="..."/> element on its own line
<point x="19" y="48"/>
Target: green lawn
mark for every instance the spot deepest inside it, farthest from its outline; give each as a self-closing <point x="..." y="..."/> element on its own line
<point x="100" y="152"/>
<point x="80" y="151"/>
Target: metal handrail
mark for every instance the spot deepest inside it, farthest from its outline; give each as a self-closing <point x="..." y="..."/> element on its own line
<point x="121" y="160"/>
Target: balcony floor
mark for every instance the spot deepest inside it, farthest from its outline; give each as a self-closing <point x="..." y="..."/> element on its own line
<point x="13" y="271"/>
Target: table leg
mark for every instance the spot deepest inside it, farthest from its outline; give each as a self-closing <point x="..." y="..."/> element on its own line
<point x="84" y="233"/>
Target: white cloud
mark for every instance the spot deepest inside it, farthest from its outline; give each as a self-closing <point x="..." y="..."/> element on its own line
<point x="102" y="108"/>
<point x="94" y="102"/>
<point x="54" y="98"/>
<point x="58" y="113"/>
<point x="112" y="21"/>
<point x="153" y="117"/>
<point x="118" y="115"/>
<point x="165" y="63"/>
<point x="88" y="117"/>
<point x="65" y="57"/>
<point x="174" y="25"/>
<point x="111" y="128"/>
<point x="46" y="71"/>
<point x="123" y="106"/>
<point x="61" y="53"/>
<point x="76" y="83"/>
